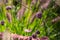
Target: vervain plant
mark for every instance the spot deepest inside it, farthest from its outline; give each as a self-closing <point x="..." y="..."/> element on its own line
<point x="25" y="17"/>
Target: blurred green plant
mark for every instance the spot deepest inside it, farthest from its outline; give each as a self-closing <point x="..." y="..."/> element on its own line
<point x="18" y="26"/>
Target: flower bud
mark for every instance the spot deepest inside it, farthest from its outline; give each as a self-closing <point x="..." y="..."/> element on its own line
<point x="8" y="7"/>
<point x="34" y="36"/>
<point x="37" y="32"/>
<point x="2" y="22"/>
<point x="39" y="15"/>
<point x="30" y="38"/>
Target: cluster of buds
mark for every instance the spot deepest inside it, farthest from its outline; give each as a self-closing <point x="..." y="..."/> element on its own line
<point x="39" y="15"/>
<point x="8" y="7"/>
<point x="2" y="22"/>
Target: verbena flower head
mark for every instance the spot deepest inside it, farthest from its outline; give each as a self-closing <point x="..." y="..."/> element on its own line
<point x="34" y="36"/>
<point x="37" y="32"/>
<point x="8" y="7"/>
<point x="39" y="15"/>
<point x="30" y="38"/>
<point x="2" y="22"/>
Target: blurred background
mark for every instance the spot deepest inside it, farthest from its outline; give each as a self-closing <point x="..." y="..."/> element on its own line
<point x="26" y="17"/>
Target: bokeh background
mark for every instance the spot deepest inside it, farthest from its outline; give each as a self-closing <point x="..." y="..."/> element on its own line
<point x="25" y="17"/>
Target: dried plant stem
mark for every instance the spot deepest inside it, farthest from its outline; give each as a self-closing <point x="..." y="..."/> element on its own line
<point x="9" y="16"/>
<point x="20" y="13"/>
<point x="32" y="17"/>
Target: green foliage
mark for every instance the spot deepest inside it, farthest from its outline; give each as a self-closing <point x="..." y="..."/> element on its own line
<point x="44" y="25"/>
